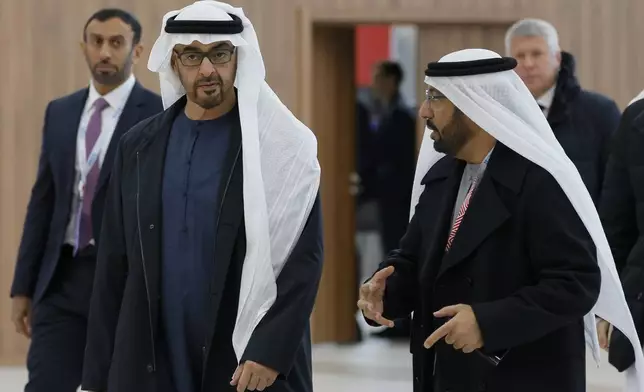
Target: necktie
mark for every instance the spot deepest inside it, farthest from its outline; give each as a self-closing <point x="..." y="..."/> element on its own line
<point x="459" y="216"/>
<point x="91" y="136"/>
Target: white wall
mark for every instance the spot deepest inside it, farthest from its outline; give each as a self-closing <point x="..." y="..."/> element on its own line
<point x="404" y="49"/>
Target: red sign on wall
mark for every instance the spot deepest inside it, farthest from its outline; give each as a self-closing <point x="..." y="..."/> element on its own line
<point x="372" y="45"/>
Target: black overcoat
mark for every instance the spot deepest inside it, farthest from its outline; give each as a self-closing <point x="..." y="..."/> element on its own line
<point x="124" y="350"/>
<point x="522" y="259"/>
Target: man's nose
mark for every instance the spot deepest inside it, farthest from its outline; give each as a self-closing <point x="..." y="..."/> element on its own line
<point x="206" y="68"/>
<point x="425" y="110"/>
<point x="106" y="52"/>
<point x="528" y="62"/>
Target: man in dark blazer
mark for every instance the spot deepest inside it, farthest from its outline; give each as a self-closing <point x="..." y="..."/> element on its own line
<point x="582" y="120"/>
<point x="622" y="213"/>
<point x="496" y="265"/>
<point x="54" y="272"/>
<point x="386" y="160"/>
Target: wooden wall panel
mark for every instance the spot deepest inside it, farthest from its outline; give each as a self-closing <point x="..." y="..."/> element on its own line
<point x="42" y="61"/>
<point x="602" y="35"/>
<point x="334" y="124"/>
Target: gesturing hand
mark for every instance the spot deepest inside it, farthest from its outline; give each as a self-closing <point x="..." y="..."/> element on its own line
<point x="461" y="331"/>
<point x="251" y="376"/>
<point x="371" y="294"/>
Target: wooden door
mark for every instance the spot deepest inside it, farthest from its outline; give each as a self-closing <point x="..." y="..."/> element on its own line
<point x="328" y="107"/>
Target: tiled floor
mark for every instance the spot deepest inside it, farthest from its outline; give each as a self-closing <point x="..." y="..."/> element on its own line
<point x="380" y="366"/>
<point x="374" y="366"/>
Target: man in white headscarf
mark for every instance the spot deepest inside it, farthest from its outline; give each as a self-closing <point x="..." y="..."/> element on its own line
<point x="505" y="256"/>
<point x="211" y="249"/>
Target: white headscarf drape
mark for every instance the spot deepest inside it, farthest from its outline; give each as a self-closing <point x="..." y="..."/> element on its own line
<point x="502" y="105"/>
<point x="280" y="167"/>
<point x="637" y="98"/>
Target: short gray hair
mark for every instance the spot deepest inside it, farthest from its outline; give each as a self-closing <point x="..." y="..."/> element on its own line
<point x="533" y="28"/>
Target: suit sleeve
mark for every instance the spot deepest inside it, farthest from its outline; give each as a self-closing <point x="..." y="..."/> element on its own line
<point x="563" y="261"/>
<point x="402" y="286"/>
<point x="278" y="336"/>
<point x="617" y="204"/>
<point x="608" y="125"/>
<point x="109" y="283"/>
<point x="36" y="228"/>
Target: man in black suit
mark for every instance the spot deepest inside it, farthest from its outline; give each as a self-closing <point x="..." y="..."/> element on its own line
<point x="497" y="265"/>
<point x="54" y="272"/>
<point x="583" y="121"/>
<point x="386" y="159"/>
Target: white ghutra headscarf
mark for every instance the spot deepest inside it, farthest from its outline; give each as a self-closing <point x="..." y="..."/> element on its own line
<point x="502" y="105"/>
<point x="280" y="167"/>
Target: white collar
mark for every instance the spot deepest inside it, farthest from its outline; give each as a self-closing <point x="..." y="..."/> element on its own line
<point x="546" y="99"/>
<point x="115" y="98"/>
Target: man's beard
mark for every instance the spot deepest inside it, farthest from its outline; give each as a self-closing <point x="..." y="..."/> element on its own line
<point x="209" y="98"/>
<point x="114" y="78"/>
<point x="453" y="136"/>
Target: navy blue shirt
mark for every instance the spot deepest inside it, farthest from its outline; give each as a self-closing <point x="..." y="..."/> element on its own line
<point x="194" y="166"/>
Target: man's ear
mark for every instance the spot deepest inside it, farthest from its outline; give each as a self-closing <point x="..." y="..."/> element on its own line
<point x="558" y="58"/>
<point x="173" y="63"/>
<point x="136" y="53"/>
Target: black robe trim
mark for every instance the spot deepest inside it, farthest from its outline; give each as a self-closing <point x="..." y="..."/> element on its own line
<point x="475" y="67"/>
<point x="234" y="26"/>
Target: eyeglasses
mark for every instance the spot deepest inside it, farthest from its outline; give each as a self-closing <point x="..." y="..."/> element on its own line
<point x="193" y="58"/>
<point x="433" y="99"/>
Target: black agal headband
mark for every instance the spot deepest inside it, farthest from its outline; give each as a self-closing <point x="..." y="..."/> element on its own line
<point x="474" y="67"/>
<point x="234" y="26"/>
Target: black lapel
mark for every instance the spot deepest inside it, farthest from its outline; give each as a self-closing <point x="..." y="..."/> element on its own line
<point x="451" y="174"/>
<point x="231" y="206"/>
<point x="150" y="161"/>
<point x="487" y="211"/>
<point x="69" y="136"/>
<point x="231" y="213"/>
<point x="484" y="215"/>
<point x="130" y="117"/>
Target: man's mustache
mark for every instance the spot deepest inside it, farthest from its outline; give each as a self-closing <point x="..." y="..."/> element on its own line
<point x="105" y="64"/>
<point x="209" y="80"/>
<point x="430" y="125"/>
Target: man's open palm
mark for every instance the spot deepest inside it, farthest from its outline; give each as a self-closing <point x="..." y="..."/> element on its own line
<point x="371" y="296"/>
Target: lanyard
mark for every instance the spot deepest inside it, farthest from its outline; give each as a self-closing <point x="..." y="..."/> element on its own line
<point x="102" y="141"/>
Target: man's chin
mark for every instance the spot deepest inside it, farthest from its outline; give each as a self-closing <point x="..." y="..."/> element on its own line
<point x="209" y="104"/>
<point x="108" y="78"/>
<point x="439" y="147"/>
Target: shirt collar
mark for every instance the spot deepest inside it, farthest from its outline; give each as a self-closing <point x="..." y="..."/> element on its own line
<point x="546" y="99"/>
<point x="115" y="98"/>
<point x="475" y="170"/>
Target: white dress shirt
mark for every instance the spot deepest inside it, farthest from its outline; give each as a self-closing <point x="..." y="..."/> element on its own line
<point x="545" y="101"/>
<point x="116" y="100"/>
